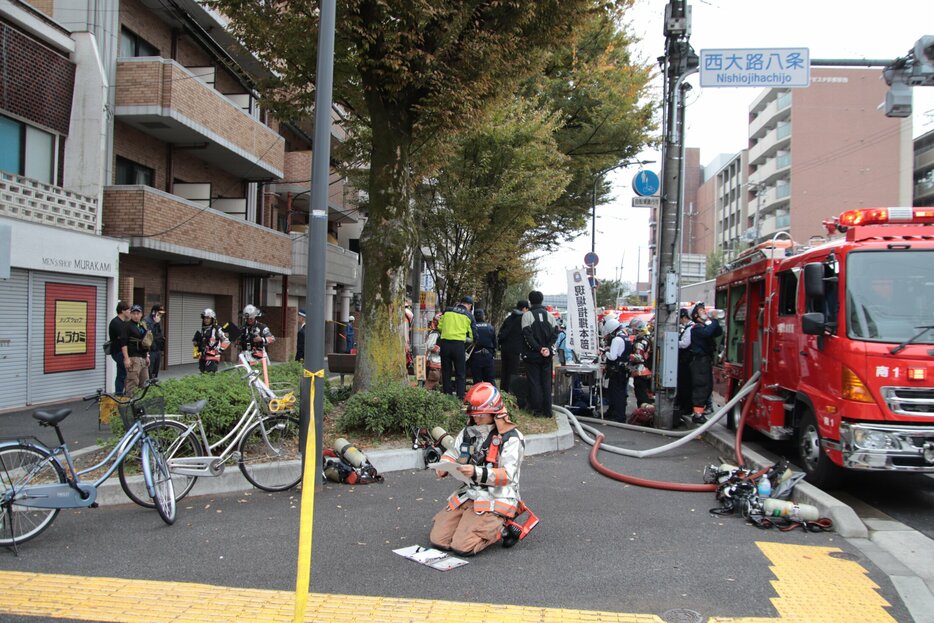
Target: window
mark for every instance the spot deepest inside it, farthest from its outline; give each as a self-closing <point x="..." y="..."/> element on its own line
<point x="787" y="293"/>
<point x="26" y="150"/>
<point x="130" y="173"/>
<point x="132" y="44"/>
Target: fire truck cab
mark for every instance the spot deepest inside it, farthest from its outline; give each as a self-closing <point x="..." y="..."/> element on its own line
<point x="843" y="335"/>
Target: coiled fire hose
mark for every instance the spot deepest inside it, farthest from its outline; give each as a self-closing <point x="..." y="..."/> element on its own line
<point x="686" y="436"/>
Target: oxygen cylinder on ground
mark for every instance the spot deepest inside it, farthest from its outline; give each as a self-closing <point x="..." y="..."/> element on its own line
<point x="442" y="438"/>
<point x="795" y="512"/>
<point x="349" y="452"/>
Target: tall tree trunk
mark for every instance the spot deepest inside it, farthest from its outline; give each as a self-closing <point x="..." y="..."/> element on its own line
<point x="386" y="244"/>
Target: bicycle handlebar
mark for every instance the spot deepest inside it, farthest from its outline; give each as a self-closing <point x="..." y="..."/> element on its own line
<point x="124" y="399"/>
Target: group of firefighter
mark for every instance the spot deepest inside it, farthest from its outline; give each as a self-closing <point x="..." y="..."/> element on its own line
<point x="627" y="353"/>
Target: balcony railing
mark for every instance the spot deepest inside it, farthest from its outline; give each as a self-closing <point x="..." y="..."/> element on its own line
<point x="163" y="99"/>
<point x="31" y="200"/>
<point x="167" y="224"/>
<point x="341" y="265"/>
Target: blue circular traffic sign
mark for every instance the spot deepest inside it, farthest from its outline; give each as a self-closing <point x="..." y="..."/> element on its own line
<point x="591" y="259"/>
<point x="645" y="183"/>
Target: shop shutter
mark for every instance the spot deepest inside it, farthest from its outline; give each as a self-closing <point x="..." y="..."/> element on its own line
<point x="14" y="338"/>
<point x="44" y="387"/>
<point x="184" y="319"/>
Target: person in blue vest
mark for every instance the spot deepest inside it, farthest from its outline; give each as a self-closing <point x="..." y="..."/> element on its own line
<point x="481" y="361"/>
<point x="349" y="334"/>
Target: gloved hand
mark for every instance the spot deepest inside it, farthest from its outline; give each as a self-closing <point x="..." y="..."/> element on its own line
<point x="195" y="353"/>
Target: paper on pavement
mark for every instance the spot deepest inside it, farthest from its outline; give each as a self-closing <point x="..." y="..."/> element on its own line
<point x="450" y="468"/>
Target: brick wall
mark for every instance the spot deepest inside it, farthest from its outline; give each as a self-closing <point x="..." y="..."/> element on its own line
<point x="44" y="6"/>
<point x="144" y="23"/>
<point x="36" y="83"/>
<point x="136" y="211"/>
<point x="166" y="84"/>
<point x="191" y="169"/>
<point x="141" y="148"/>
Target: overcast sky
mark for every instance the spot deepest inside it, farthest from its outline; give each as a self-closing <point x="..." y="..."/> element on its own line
<point x="717" y="117"/>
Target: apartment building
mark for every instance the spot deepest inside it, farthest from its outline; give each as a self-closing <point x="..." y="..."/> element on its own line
<point x="818" y="151"/>
<point x="924" y="170"/>
<point x="58" y="275"/>
<point x="198" y="195"/>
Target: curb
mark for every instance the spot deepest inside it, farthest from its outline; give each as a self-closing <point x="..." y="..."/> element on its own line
<point x="385" y="461"/>
<point x="845" y="520"/>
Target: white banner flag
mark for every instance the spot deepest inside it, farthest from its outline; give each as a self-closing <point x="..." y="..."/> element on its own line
<point x="583" y="334"/>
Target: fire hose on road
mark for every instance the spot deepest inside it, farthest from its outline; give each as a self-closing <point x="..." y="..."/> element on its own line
<point x="597" y="441"/>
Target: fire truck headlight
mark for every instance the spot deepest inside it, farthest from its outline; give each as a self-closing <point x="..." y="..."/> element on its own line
<point x="875" y="440"/>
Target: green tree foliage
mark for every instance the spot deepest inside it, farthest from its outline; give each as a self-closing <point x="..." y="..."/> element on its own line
<point x="406" y="71"/>
<point x="607" y="291"/>
<point x="497" y="183"/>
<point x="714" y="263"/>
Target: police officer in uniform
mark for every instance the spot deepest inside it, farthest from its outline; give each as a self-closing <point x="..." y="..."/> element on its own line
<point x="481" y="361"/>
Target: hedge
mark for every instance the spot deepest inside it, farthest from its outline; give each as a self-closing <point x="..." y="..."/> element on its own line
<point x="227" y="393"/>
<point x="390" y="408"/>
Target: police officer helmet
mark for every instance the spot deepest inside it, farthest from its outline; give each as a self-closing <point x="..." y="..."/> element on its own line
<point x="610" y="326"/>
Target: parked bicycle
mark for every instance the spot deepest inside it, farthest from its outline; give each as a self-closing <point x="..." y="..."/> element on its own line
<point x="35" y="485"/>
<point x="264" y="443"/>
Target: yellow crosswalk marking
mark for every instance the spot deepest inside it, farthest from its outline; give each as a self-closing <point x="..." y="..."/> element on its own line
<point x="810" y="584"/>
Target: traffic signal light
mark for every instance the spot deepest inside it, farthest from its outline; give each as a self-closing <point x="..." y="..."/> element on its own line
<point x="914" y="70"/>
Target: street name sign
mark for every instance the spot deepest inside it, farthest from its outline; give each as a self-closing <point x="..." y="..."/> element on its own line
<point x="755" y="67"/>
<point x="646" y="202"/>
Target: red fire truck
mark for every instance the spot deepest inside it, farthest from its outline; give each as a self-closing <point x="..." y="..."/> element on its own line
<point x="843" y="335"/>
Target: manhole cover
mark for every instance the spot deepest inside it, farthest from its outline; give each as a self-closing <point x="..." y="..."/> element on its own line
<point x="845" y="556"/>
<point x="682" y="615"/>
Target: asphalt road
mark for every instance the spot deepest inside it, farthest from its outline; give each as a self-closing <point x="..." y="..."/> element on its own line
<point x="600" y="545"/>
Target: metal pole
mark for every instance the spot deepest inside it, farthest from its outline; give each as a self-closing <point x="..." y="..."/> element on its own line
<point x="680" y="61"/>
<point x="318" y="229"/>
<point x="593" y="214"/>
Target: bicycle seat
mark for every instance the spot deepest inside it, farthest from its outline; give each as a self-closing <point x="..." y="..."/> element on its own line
<point x="194" y="408"/>
<point x="51" y="418"/>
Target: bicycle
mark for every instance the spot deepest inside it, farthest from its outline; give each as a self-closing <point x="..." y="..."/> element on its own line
<point x="264" y="443"/>
<point x="35" y="486"/>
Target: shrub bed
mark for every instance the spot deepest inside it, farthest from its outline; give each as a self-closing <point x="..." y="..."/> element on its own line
<point x="393" y="408"/>
<point x="227" y="393"/>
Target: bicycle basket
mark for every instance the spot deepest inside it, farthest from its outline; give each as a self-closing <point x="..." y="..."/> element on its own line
<point x="286" y="398"/>
<point x="150" y="408"/>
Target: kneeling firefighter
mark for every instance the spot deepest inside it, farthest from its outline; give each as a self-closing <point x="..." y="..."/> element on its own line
<point x="490" y="451"/>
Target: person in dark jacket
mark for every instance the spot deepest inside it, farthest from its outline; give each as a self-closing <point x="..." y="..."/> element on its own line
<point x="300" y="342"/>
<point x="705" y="330"/>
<point x="118" y="333"/>
<point x="481" y="361"/>
<point x="511" y="343"/>
<point x="539" y="329"/>
<point x="683" y="400"/>
<point x="154" y="324"/>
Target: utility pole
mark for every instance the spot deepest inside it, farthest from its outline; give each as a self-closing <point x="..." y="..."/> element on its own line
<point x="679" y="62"/>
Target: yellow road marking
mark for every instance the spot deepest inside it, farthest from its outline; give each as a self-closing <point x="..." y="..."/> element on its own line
<point x="811" y="587"/>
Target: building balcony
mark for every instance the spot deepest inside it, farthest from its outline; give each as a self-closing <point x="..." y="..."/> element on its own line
<point x="340" y="265"/>
<point x="778" y="109"/>
<point x="924" y="160"/>
<point x="166" y="226"/>
<point x="165" y="100"/>
<point x="771" y="170"/>
<point x="924" y="193"/>
<point x="770" y="225"/>
<point x="30" y="200"/>
<point x="775" y="140"/>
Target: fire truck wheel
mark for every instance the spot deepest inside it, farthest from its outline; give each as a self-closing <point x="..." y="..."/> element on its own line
<point x="820" y="470"/>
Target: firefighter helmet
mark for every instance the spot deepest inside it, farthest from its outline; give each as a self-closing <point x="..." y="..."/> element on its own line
<point x="250" y="311"/>
<point x="696" y="311"/>
<point x="636" y="325"/>
<point x="484" y="398"/>
<point x="208" y="313"/>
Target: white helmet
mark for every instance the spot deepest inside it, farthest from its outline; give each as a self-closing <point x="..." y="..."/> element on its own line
<point x="350" y="318"/>
<point x="610" y="326"/>
<point x="250" y="311"/>
<point x="208" y="313"/>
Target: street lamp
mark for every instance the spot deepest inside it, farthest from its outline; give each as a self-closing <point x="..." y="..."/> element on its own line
<point x="593" y="197"/>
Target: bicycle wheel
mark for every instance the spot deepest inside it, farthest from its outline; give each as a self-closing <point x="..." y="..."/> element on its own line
<point x="168" y="438"/>
<point x="269" y="454"/>
<point x="156" y="473"/>
<point x="23" y="466"/>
